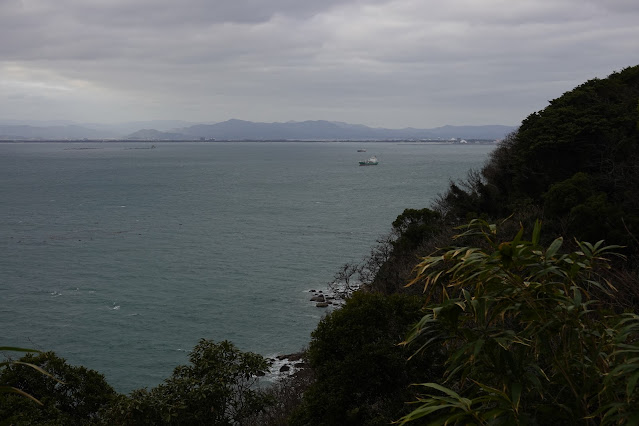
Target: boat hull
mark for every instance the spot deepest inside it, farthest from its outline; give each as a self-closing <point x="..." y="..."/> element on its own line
<point x="370" y="162"/>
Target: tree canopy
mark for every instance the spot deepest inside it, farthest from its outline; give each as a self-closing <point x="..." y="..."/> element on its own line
<point x="362" y="375"/>
<point x="589" y="136"/>
<point x="69" y="395"/>
<point x="216" y="388"/>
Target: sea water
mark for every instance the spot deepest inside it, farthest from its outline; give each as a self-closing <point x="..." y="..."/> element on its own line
<point x="121" y="256"/>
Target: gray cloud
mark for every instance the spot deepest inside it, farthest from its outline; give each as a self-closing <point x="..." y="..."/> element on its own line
<point x="389" y="63"/>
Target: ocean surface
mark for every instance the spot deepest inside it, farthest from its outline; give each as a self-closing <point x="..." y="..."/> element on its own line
<point x="120" y="257"/>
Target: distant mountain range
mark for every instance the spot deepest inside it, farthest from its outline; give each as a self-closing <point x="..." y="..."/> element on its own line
<point x="238" y="130"/>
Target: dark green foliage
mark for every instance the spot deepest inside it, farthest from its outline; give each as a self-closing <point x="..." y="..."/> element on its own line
<point x="469" y="199"/>
<point x="597" y="217"/>
<point x="591" y="129"/>
<point x="575" y="165"/>
<point x="69" y="395"/>
<point x="362" y="375"/>
<point x="413" y="226"/>
<point x="7" y="388"/>
<point x="578" y="157"/>
<point x="528" y="341"/>
<point x="217" y="388"/>
<point x="588" y="212"/>
<point x="564" y="195"/>
<point x="410" y="231"/>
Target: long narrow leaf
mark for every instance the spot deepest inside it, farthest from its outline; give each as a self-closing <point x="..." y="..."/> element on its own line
<point x="11" y="389"/>
<point x="554" y="247"/>
<point x="14" y="349"/>
<point x="35" y="367"/>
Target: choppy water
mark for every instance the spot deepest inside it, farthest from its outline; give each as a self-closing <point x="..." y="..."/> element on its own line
<point x="121" y="259"/>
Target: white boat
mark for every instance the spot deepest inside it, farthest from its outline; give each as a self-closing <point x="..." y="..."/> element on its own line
<point x="372" y="161"/>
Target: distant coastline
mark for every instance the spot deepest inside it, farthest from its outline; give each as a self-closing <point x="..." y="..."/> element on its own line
<point x="241" y="130"/>
<point x="411" y="141"/>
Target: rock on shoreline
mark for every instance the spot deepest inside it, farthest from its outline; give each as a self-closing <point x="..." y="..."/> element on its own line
<point x="287" y="364"/>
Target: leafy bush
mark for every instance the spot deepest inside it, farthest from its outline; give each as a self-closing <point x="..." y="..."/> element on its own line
<point x="361" y="372"/>
<point x="526" y="339"/>
<point x="390" y="264"/>
<point x="6" y="388"/>
<point x="217" y="388"/>
<point x="413" y="226"/>
<point x="69" y="395"/>
<point x="564" y="195"/>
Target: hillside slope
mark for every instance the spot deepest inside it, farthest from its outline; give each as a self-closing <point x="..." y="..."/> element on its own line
<point x="577" y="161"/>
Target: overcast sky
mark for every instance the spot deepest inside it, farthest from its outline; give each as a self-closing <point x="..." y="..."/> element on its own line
<point x="383" y="63"/>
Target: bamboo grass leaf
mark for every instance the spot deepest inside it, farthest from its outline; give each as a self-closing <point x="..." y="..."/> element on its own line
<point x="632" y="383"/>
<point x="536" y="232"/>
<point x="490" y="389"/>
<point x="532" y="325"/>
<point x="517" y="238"/>
<point x="11" y="389"/>
<point x="39" y="369"/>
<point x="515" y="392"/>
<point x="554" y="247"/>
<point x="14" y="349"/>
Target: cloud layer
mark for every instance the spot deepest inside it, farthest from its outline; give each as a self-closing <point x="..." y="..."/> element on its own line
<point x="390" y="63"/>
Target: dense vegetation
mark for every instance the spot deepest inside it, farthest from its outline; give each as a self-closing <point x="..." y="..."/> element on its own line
<point x="534" y="335"/>
<point x="362" y="374"/>
<point x="515" y="323"/>
<point x="527" y="340"/>
<point x="67" y="395"/>
<point x="537" y="331"/>
<point x="575" y="163"/>
<point x="217" y="387"/>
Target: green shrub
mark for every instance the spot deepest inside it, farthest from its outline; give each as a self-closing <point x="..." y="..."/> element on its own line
<point x="361" y="372"/>
<point x="564" y="195"/>
<point x="69" y="395"/>
<point x="217" y="388"/>
<point x="527" y="340"/>
<point x="413" y="226"/>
